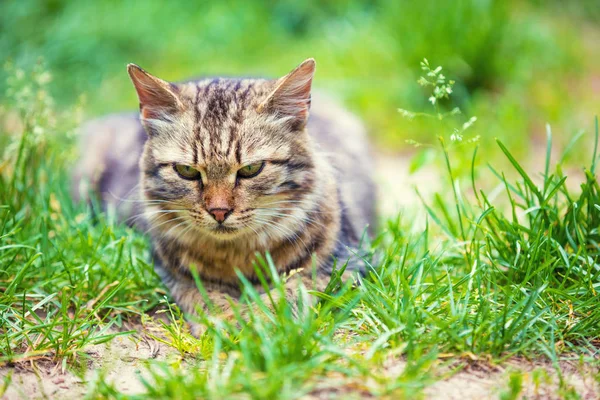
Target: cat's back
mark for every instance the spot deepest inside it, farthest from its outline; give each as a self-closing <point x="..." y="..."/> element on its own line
<point x="342" y="138"/>
<point x="111" y="147"/>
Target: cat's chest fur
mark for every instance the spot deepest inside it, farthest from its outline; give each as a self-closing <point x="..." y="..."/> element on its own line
<point x="222" y="261"/>
<point x="218" y="264"/>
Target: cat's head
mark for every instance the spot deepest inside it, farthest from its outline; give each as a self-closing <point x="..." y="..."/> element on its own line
<point x="227" y="157"/>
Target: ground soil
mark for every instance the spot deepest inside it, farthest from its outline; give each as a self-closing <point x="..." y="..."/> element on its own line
<point x="123" y="359"/>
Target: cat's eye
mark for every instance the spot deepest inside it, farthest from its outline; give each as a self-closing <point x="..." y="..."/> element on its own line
<point x="187" y="172"/>
<point x="251" y="170"/>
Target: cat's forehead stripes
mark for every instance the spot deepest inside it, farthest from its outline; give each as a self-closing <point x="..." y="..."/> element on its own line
<point x="219" y="107"/>
<point x="218" y="172"/>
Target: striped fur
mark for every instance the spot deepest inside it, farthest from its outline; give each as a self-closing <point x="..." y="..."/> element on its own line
<point x="309" y="204"/>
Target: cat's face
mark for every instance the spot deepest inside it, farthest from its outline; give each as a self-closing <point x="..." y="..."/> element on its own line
<point x="226" y="157"/>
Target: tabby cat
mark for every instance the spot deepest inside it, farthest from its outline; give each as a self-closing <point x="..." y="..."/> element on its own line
<point x="218" y="170"/>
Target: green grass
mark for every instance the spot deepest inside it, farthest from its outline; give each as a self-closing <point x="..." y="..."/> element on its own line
<point x="64" y="278"/>
<point x="492" y="274"/>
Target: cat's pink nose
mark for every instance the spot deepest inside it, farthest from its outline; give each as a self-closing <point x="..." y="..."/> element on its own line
<point x="220" y="214"/>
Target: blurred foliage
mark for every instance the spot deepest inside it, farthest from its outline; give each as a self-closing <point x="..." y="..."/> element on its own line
<point x="518" y="64"/>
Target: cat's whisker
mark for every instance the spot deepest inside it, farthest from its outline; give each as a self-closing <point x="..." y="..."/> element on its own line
<point x="247" y="225"/>
<point x="296" y="234"/>
<point x="154" y="227"/>
<point x="146" y="201"/>
<point x="307" y="220"/>
<point x="191" y="227"/>
<point x="151" y="214"/>
<point x="272" y="236"/>
<point x="175" y="227"/>
<point x="308" y="204"/>
<point x="284" y="205"/>
<point x="181" y="234"/>
<point x="125" y="199"/>
<point x="287" y="202"/>
<point x="165" y="222"/>
<point x="287" y="232"/>
<point x="313" y="223"/>
<point x="285" y="216"/>
<point x="304" y="218"/>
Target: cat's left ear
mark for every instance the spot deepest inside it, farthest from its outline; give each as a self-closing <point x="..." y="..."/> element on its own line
<point x="291" y="97"/>
<point x="158" y="98"/>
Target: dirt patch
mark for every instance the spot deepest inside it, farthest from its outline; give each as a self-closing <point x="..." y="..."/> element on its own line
<point x="530" y="379"/>
<point x="122" y="360"/>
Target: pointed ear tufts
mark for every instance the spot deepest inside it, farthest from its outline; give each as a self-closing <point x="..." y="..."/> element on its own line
<point x="291" y="97"/>
<point x="157" y="97"/>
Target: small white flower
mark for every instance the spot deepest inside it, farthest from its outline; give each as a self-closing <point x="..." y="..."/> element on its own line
<point x="406" y="114"/>
<point x="468" y="124"/>
<point x="456" y="137"/>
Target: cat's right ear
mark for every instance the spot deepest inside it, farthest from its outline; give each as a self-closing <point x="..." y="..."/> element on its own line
<point x="158" y="98"/>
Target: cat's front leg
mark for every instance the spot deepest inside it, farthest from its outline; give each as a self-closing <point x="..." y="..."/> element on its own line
<point x="292" y="291"/>
<point x="190" y="300"/>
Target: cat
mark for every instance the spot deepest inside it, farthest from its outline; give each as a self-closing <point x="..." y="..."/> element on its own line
<point x="218" y="170"/>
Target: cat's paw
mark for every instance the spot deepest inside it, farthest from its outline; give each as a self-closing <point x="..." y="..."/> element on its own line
<point x="197" y="329"/>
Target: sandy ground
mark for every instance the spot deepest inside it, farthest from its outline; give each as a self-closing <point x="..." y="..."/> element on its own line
<point x="123" y="358"/>
<point x="540" y="381"/>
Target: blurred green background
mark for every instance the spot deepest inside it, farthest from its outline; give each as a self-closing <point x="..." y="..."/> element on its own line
<point x="518" y="64"/>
